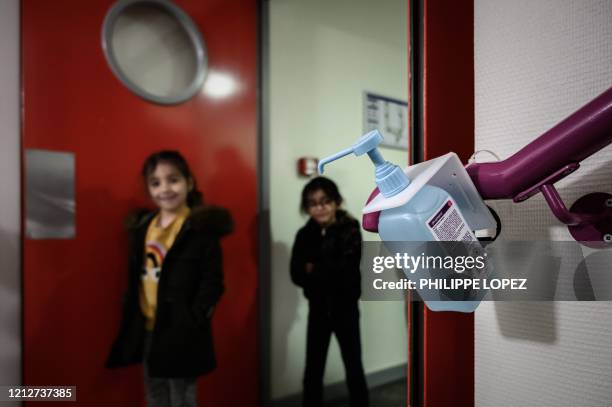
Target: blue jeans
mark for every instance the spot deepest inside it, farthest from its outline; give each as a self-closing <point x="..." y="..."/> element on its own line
<point x="167" y="392"/>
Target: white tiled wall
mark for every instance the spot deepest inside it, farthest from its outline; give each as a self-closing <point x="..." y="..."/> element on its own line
<point x="535" y="63"/>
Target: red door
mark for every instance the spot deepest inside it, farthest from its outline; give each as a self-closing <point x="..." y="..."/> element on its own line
<point x="72" y="102"/>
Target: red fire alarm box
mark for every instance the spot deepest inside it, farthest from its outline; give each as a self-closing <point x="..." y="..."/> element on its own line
<point x="307" y="166"/>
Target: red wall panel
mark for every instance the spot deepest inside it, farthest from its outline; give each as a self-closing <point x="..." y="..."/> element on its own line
<point x="72" y="102"/>
<point x="448" y="125"/>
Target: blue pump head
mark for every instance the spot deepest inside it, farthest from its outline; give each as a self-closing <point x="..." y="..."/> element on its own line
<point x="390" y="178"/>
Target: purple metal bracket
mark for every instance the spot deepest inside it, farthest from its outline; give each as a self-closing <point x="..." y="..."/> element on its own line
<point x="596" y="232"/>
<point x="551" y="157"/>
<point x="598" y="212"/>
<point x="556" y="176"/>
<point x="369" y="221"/>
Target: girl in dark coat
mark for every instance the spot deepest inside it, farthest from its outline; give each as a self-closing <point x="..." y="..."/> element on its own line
<point x="175" y="279"/>
<point x="325" y="263"/>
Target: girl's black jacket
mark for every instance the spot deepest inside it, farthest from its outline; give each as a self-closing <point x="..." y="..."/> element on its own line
<point x="335" y="253"/>
<point x="190" y="284"/>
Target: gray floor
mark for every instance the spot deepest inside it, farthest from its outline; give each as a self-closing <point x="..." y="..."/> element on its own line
<point x="387" y="395"/>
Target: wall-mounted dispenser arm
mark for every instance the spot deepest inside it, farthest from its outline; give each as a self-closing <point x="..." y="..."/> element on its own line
<point x="557" y="151"/>
<point x="552" y="156"/>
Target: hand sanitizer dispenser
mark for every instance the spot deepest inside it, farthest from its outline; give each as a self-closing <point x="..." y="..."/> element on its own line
<point x="430" y="201"/>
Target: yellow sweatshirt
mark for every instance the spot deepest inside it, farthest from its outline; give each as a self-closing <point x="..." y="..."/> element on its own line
<point x="157" y="243"/>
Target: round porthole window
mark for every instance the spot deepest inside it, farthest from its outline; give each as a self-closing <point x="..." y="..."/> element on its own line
<point x="155" y="49"/>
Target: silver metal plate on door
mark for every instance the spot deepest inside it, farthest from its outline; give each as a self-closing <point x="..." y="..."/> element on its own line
<point x="49" y="194"/>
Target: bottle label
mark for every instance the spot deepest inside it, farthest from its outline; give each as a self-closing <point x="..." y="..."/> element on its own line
<point x="448" y="224"/>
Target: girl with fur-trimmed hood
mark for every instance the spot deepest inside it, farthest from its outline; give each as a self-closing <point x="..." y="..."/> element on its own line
<point x="175" y="279"/>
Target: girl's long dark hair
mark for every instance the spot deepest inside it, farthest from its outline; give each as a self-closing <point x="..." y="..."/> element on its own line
<point x="174" y="158"/>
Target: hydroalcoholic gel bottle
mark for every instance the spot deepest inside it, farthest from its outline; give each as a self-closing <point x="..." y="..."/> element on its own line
<point x="430" y="215"/>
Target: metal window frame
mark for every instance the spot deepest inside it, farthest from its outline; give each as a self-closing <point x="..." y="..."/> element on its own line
<point x="192" y="31"/>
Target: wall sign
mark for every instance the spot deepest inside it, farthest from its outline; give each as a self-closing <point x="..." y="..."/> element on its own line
<point x="389" y="116"/>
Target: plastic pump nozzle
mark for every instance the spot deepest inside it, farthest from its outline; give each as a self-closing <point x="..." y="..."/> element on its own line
<point x="390" y="178"/>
